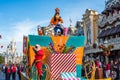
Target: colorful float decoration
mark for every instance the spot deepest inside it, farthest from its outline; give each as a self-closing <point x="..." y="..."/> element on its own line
<point x="106" y="50"/>
<point x="62" y="53"/>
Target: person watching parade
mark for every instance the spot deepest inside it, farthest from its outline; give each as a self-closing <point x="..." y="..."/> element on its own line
<point x="14" y="69"/>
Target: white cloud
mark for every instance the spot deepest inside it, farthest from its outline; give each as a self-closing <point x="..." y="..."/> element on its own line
<point x="19" y="29"/>
<point x="25" y="27"/>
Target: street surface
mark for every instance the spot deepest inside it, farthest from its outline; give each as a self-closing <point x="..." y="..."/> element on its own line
<point x="2" y="76"/>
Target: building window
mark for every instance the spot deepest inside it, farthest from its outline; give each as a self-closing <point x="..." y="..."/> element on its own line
<point x="89" y="35"/>
<point x="108" y="37"/>
<point x="119" y="35"/>
<point x="113" y="36"/>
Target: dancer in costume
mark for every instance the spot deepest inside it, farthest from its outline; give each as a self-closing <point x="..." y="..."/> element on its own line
<point x="56" y="21"/>
<point x="39" y="54"/>
<point x="57" y="18"/>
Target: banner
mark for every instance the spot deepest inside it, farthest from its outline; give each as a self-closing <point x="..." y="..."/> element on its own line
<point x="24" y="44"/>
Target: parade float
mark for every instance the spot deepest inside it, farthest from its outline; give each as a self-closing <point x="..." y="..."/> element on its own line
<point x="63" y="53"/>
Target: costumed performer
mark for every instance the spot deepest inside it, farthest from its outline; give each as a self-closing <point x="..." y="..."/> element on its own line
<point x="56" y="21"/>
<point x="39" y="54"/>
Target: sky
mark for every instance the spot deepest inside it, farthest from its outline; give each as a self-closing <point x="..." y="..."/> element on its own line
<point x="21" y="17"/>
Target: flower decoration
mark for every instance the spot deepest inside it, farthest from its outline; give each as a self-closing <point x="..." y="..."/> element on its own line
<point x="62" y="49"/>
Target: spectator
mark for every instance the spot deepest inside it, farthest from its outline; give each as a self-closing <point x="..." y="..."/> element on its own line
<point x="3" y="68"/>
<point x="20" y="69"/>
<point x="98" y="64"/>
<point x="14" y="69"/>
<point x="7" y="72"/>
<point x="107" y="69"/>
<point x="116" y="68"/>
<point x="113" y="75"/>
<point x="111" y="65"/>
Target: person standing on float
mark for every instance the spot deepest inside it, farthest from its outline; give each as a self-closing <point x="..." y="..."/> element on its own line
<point x="57" y="18"/>
<point x="39" y="54"/>
<point x="57" y="21"/>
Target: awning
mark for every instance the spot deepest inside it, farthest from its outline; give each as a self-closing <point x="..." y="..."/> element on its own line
<point x="108" y="32"/>
<point x="114" y="31"/>
<point x="100" y="34"/>
<point x="118" y="30"/>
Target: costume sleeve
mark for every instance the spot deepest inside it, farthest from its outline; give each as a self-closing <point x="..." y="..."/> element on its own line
<point x="41" y="53"/>
<point x="52" y="21"/>
<point x="61" y="20"/>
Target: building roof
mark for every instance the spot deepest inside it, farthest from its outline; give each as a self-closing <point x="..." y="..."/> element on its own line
<point x="100" y="35"/>
<point x="109" y="31"/>
<point x="114" y="31"/>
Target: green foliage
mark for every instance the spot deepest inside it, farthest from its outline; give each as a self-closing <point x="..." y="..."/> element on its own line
<point x="1" y="59"/>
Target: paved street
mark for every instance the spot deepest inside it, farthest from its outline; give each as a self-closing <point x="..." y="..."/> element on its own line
<point x="2" y="76"/>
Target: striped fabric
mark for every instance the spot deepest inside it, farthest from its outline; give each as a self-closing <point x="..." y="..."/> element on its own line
<point x="60" y="63"/>
<point x="69" y="75"/>
<point x="71" y="79"/>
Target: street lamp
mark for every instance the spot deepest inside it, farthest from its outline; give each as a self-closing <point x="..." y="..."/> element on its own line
<point x="106" y="45"/>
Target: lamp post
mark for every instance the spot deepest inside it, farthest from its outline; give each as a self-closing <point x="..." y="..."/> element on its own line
<point x="106" y="45"/>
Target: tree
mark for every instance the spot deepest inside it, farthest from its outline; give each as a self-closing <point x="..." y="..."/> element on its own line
<point x="1" y="59"/>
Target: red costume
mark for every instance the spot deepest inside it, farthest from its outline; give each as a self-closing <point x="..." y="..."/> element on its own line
<point x="38" y="64"/>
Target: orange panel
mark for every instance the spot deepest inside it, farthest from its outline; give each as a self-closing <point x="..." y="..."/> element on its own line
<point x="79" y="55"/>
<point x="59" y="42"/>
<point x="32" y="54"/>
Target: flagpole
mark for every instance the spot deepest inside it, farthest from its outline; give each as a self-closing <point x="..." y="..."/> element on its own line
<point x="70" y="21"/>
